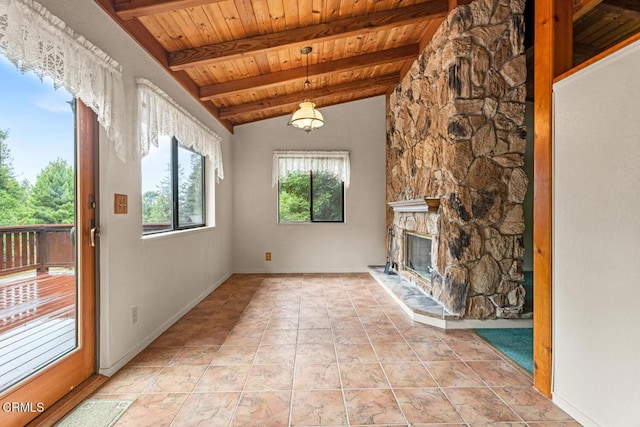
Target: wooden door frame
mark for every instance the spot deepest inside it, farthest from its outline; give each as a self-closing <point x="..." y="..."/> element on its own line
<point x="553" y="54"/>
<point x="62" y="376"/>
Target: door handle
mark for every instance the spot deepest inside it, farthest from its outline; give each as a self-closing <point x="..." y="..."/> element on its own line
<point x="93" y="233"/>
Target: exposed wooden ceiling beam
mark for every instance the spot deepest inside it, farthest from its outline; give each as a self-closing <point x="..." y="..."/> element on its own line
<point x="582" y="7"/>
<point x="138" y="8"/>
<point x="626" y="8"/>
<point x="318" y="95"/>
<point x="264" y="81"/>
<point x="631" y="5"/>
<point x="297" y="37"/>
<point x="145" y="39"/>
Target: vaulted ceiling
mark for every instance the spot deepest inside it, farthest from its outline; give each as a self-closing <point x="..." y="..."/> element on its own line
<point x="241" y="58"/>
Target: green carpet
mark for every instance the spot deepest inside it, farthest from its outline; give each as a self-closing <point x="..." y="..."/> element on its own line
<point x="517" y="344"/>
<point x="96" y="413"/>
<point x="528" y="287"/>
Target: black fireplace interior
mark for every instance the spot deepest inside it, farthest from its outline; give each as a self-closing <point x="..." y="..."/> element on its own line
<point x="418" y="254"/>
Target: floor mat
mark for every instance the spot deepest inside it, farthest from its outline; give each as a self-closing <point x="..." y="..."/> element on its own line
<point x="96" y="413"/>
<point x="517" y="344"/>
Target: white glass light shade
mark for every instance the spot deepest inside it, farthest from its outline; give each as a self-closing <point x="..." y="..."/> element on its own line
<point x="307" y="117"/>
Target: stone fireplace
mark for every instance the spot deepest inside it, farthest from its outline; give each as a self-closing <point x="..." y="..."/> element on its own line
<point x="455" y="156"/>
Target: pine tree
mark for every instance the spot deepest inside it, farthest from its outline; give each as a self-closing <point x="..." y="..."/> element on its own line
<point x="191" y="206"/>
<point x="51" y="201"/>
<point x="12" y="193"/>
<point x="157" y="204"/>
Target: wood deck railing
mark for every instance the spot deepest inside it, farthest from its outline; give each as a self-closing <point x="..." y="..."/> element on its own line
<point x="36" y="247"/>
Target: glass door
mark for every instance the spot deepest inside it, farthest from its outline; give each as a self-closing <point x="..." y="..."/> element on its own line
<point x="47" y="263"/>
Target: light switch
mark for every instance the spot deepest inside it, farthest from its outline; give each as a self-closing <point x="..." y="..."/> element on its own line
<point x="120" y="204"/>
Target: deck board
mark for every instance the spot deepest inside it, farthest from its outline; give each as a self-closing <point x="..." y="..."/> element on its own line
<point x="28" y="299"/>
<point x="37" y="323"/>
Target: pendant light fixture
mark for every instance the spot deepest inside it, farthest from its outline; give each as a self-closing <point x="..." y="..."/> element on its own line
<point x="307" y="117"/>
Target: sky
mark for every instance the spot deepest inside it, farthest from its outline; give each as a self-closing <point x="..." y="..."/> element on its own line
<point x="41" y="127"/>
<point x="39" y="120"/>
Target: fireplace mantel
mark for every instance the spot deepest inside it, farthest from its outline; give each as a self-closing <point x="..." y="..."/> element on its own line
<point x="425" y="204"/>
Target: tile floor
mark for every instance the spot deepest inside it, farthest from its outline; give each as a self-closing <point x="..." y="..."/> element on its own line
<point x="320" y="349"/>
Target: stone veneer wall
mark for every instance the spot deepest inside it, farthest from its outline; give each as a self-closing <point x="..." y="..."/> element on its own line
<point x="455" y="131"/>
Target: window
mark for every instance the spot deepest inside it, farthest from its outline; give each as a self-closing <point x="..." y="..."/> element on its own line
<point x="311" y="185"/>
<point x="172" y="188"/>
<point x="310" y="197"/>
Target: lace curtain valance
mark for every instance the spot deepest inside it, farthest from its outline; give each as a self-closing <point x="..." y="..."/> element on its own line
<point x="35" y="40"/>
<point x="334" y="162"/>
<point x="160" y="115"/>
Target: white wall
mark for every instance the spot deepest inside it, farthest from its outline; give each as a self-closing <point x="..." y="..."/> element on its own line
<point x="358" y="127"/>
<point x="596" y="243"/>
<point x="163" y="276"/>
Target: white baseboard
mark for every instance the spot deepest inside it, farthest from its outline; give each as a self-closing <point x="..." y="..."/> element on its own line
<point x="115" y="367"/>
<point x="489" y="324"/>
<point x="574" y="412"/>
<point x="301" y="271"/>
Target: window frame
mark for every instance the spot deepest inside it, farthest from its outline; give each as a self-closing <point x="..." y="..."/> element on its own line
<point x="175" y="193"/>
<point x="310" y="174"/>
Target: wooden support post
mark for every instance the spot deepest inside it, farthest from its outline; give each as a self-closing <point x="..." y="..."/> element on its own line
<point x="553" y="55"/>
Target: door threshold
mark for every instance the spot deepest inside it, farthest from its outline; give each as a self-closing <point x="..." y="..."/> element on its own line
<point x="65" y="405"/>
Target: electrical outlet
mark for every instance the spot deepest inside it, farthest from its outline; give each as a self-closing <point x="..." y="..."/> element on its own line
<point x="134" y="315"/>
<point x="267" y="256"/>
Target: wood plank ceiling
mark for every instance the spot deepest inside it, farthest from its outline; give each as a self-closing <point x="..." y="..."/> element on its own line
<point x="241" y="58"/>
<point x="597" y="26"/>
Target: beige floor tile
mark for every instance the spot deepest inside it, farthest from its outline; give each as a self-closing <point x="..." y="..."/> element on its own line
<point x="480" y="405"/>
<point x="316" y="376"/>
<point x="454" y="374"/>
<point x="275" y="354"/>
<point x="155" y="356"/>
<point x="315" y="336"/>
<point x="242" y="338"/>
<point x="207" y="409"/>
<point x="223" y="378"/>
<point x="319" y="322"/>
<point x="395" y="352"/>
<point x="403" y="375"/>
<point x="130" y="380"/>
<point x="426" y="405"/>
<point x="270" y="377"/>
<point x="283" y="322"/>
<point x="315" y="353"/>
<point x="374" y="406"/>
<point x="194" y="356"/>
<point x="530" y="404"/>
<point x="264" y="408"/>
<point x="473" y="349"/>
<point x="362" y="375"/>
<point x="234" y="355"/>
<point x="350" y="336"/>
<point x="176" y="379"/>
<point x="279" y="337"/>
<point x="355" y="353"/>
<point x="157" y="409"/>
<point x="318" y="408"/>
<point x="434" y="351"/>
<point x="499" y="373"/>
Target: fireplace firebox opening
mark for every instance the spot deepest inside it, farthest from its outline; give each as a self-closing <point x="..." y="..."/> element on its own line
<point x="417" y="250"/>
